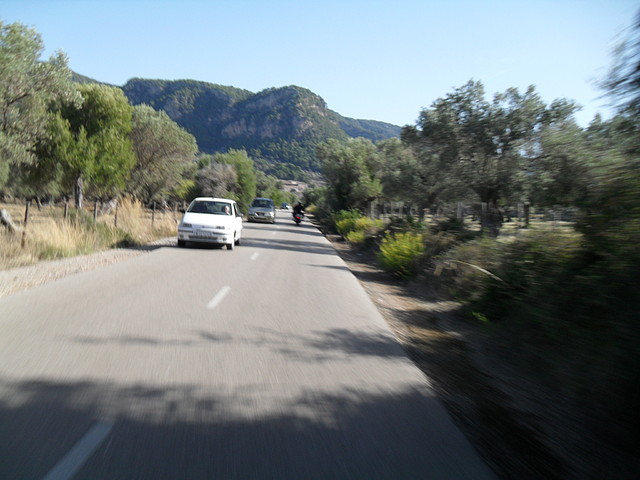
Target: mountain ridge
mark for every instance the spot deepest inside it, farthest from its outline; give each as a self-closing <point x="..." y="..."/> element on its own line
<point x="278" y="126"/>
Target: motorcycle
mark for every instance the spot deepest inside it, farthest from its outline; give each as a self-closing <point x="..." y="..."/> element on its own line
<point x="297" y="217"/>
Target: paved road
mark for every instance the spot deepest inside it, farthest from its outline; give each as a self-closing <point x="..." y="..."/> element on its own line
<point x="264" y="362"/>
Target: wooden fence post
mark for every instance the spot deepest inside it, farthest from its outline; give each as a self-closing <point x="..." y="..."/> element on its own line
<point x="153" y="214"/>
<point x="95" y="210"/>
<point x="23" y="242"/>
<point x="115" y="216"/>
<point x="66" y="209"/>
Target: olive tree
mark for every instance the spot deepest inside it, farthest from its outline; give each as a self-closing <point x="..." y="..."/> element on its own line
<point x="468" y="144"/>
<point x="89" y="144"/>
<point x="350" y="169"/>
<point x="27" y="87"/>
<point x="163" y="150"/>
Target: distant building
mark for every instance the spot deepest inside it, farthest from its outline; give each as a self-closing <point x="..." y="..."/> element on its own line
<point x="294" y="186"/>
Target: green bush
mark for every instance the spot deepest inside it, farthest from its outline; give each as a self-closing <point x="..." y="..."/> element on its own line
<point x="457" y="229"/>
<point x="400" y="253"/>
<point x="559" y="307"/>
<point x="356" y="228"/>
<point x="356" y="237"/>
<point x="345" y="221"/>
<point x="405" y="224"/>
<point x="465" y="270"/>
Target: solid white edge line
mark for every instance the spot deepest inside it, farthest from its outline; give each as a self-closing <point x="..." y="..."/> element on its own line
<point x="218" y="298"/>
<point x="69" y="465"/>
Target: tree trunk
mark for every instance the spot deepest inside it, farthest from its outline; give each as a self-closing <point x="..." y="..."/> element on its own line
<point x="490" y="218"/>
<point x="79" y="191"/>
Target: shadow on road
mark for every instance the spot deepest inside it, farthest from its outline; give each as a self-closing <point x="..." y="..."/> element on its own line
<point x="169" y="432"/>
<point x="317" y="346"/>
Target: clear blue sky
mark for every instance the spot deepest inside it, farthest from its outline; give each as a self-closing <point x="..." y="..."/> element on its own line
<point x="379" y="60"/>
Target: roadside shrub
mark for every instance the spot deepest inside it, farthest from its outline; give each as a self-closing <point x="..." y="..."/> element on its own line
<point x="465" y="270"/>
<point x="356" y="228"/>
<point x="345" y="221"/>
<point x="438" y="243"/>
<point x="365" y="232"/>
<point x="456" y="229"/>
<point x="356" y="237"/>
<point x="560" y="309"/>
<point x="405" y="224"/>
<point x="400" y="253"/>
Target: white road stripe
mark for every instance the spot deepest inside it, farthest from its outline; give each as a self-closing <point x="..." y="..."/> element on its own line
<point x="218" y="298"/>
<point x="255" y="255"/>
<point x="69" y="465"/>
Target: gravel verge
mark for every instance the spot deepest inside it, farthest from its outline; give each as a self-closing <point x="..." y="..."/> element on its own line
<point x="22" y="278"/>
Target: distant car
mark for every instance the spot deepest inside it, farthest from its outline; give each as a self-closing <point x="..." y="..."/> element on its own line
<point x="285" y="206"/>
<point x="210" y="220"/>
<point x="262" y="210"/>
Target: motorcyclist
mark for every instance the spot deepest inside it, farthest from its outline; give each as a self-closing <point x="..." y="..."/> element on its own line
<point x="298" y="209"/>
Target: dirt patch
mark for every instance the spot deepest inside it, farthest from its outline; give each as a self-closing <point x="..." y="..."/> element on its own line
<point x="521" y="425"/>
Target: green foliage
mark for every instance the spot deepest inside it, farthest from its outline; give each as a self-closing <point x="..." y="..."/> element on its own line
<point x="345" y="220"/>
<point x="280" y="126"/>
<point x="405" y="224"/>
<point x="465" y="144"/>
<point x="560" y="175"/>
<point x="623" y="81"/>
<point x="246" y="180"/>
<point x="539" y="281"/>
<point x="163" y="152"/>
<point x="356" y="237"/>
<point x="400" y="253"/>
<point x="27" y="87"/>
<point x="270" y="187"/>
<point x="89" y="145"/>
<point x="184" y="190"/>
<point x="350" y="169"/>
<point x="365" y="232"/>
<point x="558" y="304"/>
<point x="356" y="228"/>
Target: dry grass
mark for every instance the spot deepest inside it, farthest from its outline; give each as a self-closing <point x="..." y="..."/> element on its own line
<point x="49" y="236"/>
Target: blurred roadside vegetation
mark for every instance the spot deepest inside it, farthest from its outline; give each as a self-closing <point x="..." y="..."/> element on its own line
<point x="559" y="299"/>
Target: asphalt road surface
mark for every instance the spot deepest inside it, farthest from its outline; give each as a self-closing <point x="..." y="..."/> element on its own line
<point x="265" y="362"/>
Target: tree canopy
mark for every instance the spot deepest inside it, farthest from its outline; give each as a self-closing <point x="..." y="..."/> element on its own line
<point x="27" y="87"/>
<point x="466" y="144"/>
<point x="351" y="169"/>
<point x="90" y="143"/>
<point x="163" y="150"/>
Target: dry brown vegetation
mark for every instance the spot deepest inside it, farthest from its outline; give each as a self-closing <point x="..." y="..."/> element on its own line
<point x="48" y="235"/>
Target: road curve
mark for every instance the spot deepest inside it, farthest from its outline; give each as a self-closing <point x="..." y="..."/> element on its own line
<point x="266" y="362"/>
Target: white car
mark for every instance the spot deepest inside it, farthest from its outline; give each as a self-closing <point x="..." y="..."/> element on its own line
<point x="216" y="221"/>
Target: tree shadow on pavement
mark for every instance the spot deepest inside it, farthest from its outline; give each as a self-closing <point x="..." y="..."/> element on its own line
<point x="169" y="432"/>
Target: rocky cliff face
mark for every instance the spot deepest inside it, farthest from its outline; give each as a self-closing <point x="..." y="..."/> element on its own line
<point x="278" y="125"/>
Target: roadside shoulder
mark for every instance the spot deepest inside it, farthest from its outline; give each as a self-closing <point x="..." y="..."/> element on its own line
<point x="22" y="278"/>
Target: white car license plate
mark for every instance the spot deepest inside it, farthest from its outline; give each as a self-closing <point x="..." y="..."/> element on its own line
<point x="205" y="234"/>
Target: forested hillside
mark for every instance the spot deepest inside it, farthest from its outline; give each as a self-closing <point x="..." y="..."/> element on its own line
<point x="279" y="127"/>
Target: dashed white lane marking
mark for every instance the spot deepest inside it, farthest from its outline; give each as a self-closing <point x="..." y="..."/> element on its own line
<point x="69" y="465"/>
<point x="255" y="255"/>
<point x="215" y="301"/>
